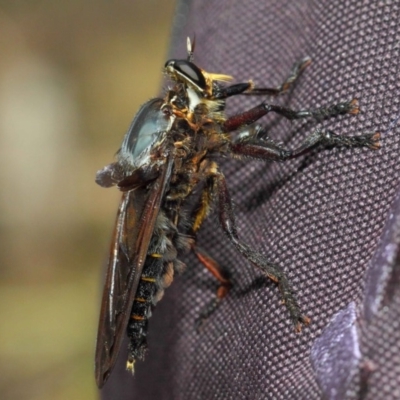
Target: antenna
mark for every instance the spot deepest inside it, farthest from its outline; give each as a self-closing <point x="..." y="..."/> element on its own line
<point x="190" y="48"/>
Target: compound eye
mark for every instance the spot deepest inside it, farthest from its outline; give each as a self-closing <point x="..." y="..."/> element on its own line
<point x="147" y="128"/>
<point x="187" y="72"/>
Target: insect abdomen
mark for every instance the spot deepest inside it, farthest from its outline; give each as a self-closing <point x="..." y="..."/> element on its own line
<point x="157" y="274"/>
<point x="142" y="305"/>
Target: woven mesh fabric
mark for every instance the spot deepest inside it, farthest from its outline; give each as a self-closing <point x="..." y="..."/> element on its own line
<point x="329" y="218"/>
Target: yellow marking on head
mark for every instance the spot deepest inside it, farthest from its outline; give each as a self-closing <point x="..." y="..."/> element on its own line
<point x="218" y="77"/>
<point x="146" y="279"/>
<point x="210" y="77"/>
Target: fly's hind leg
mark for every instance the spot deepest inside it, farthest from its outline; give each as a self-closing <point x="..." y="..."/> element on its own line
<point x="272" y="271"/>
<point x="220" y="275"/>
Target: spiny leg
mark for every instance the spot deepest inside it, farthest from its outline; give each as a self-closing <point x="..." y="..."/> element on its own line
<point x="272" y="271"/>
<point x="269" y="150"/>
<point x="248" y="89"/>
<point x="254" y="114"/>
<point x="295" y="72"/>
<point x="330" y="138"/>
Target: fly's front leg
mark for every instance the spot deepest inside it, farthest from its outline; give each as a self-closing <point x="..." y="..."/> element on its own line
<point x="266" y="149"/>
<point x="272" y="271"/>
<point x="295" y="72"/>
<point x="254" y="114"/>
<point x="248" y="88"/>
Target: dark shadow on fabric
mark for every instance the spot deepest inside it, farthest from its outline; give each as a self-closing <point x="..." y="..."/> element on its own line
<point x="393" y="282"/>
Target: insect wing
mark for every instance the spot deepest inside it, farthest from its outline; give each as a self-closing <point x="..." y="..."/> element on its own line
<point x="133" y="230"/>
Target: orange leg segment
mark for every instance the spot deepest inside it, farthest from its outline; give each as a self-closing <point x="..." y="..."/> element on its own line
<point x="224" y="283"/>
<point x="216" y="270"/>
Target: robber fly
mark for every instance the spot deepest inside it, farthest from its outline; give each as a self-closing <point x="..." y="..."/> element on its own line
<point x="167" y="161"/>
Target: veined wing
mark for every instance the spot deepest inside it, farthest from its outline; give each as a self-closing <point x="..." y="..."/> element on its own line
<point x="133" y="230"/>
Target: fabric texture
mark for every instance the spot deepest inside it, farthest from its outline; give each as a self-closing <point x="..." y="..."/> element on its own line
<point x="330" y="219"/>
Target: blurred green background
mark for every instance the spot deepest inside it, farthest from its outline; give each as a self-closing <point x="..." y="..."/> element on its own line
<point x="72" y="75"/>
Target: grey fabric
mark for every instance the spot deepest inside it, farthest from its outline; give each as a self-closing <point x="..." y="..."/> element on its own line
<point x="328" y="218"/>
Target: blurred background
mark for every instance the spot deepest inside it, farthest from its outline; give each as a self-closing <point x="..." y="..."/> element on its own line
<point x="72" y="76"/>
